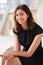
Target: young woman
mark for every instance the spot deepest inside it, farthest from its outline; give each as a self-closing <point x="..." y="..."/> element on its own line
<point x="28" y="34"/>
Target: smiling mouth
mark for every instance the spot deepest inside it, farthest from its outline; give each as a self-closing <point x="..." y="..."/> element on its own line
<point x="20" y="22"/>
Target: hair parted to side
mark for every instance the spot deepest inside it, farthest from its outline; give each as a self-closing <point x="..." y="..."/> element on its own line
<point x="30" y="19"/>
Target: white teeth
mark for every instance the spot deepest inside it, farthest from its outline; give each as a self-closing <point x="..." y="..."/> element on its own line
<point x="20" y="22"/>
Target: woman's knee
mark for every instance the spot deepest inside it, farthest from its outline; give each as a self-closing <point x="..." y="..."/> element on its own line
<point x="13" y="61"/>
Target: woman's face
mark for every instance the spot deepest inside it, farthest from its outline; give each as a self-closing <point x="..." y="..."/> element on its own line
<point x="21" y="16"/>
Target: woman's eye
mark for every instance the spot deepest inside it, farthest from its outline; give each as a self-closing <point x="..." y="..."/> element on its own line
<point x="22" y="14"/>
<point x="17" y="15"/>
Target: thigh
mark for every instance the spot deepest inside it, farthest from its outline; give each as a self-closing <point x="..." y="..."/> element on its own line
<point x="13" y="61"/>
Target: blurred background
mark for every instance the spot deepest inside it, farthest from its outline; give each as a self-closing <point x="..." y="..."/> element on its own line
<point x="7" y="8"/>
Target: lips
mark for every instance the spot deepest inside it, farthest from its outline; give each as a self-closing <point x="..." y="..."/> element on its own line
<point x="20" y="22"/>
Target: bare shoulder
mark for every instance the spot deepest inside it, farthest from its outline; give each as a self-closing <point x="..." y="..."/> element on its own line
<point x="39" y="35"/>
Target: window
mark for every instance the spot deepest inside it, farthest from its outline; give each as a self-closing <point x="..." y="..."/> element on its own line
<point x="3" y="1"/>
<point x="3" y="4"/>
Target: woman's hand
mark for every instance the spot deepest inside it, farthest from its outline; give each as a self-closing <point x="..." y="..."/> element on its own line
<point x="8" y="55"/>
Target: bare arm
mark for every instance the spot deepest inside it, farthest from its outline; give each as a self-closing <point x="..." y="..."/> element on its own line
<point x="32" y="48"/>
<point x="16" y="43"/>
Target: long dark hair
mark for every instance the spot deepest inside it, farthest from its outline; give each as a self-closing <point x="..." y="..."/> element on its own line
<point x="30" y="20"/>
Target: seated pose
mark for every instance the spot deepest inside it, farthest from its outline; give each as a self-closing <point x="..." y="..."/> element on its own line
<point x="28" y="34"/>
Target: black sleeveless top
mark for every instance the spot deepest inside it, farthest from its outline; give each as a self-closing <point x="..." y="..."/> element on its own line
<point x="26" y="38"/>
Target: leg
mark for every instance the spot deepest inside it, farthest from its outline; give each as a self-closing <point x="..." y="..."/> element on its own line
<point x="14" y="61"/>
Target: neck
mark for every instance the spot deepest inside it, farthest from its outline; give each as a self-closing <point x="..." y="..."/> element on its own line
<point x="24" y="26"/>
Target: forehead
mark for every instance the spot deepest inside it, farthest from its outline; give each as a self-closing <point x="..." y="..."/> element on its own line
<point x="20" y="11"/>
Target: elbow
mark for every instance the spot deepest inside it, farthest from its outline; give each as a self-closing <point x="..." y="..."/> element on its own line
<point x="29" y="54"/>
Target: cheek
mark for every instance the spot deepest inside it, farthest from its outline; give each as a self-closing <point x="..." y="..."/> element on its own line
<point x="16" y="18"/>
<point x="25" y="18"/>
